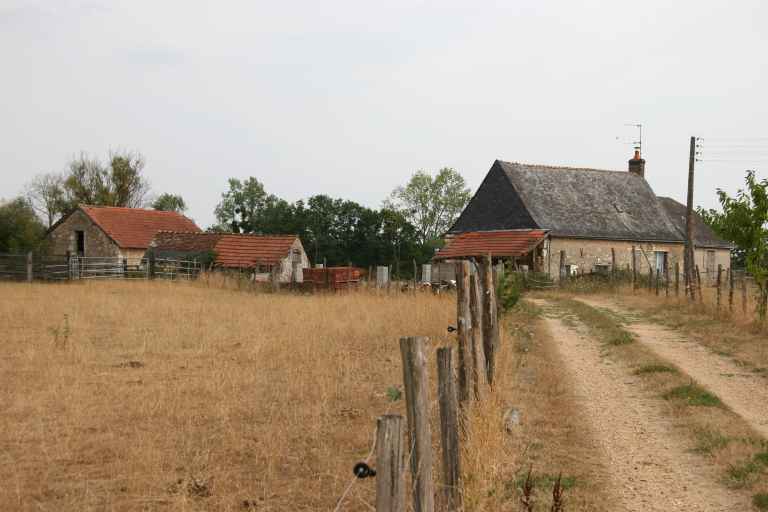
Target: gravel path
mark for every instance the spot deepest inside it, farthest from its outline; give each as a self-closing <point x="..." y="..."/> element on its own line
<point x="649" y="466"/>
<point x="745" y="393"/>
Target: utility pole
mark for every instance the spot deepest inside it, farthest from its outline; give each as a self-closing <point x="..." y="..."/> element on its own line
<point x="689" y="260"/>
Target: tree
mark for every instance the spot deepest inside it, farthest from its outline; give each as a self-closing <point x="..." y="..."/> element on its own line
<point x="239" y="206"/>
<point x="121" y="183"/>
<point x="20" y="227"/>
<point x="45" y="194"/>
<point x="744" y="221"/>
<point x="169" y="203"/>
<point x="432" y="205"/>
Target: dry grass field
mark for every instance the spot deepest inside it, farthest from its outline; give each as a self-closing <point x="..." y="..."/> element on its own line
<point x="177" y="396"/>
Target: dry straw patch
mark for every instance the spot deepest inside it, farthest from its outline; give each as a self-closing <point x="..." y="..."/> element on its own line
<point x="168" y="396"/>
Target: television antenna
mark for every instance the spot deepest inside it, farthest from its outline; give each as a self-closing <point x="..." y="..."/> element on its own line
<point x="637" y="143"/>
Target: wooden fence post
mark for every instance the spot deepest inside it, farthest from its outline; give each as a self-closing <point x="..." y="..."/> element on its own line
<point x="719" y="285"/>
<point x="479" y="375"/>
<point x="419" y="432"/>
<point x="151" y="262"/>
<point x="677" y="279"/>
<point x="666" y="277"/>
<point x="658" y="281"/>
<point x="464" y="324"/>
<point x="730" y="290"/>
<point x="390" y="473"/>
<point x="698" y="282"/>
<point x="634" y="269"/>
<point x="744" y="293"/>
<point x="449" y="429"/>
<point x="613" y="264"/>
<point x="30" y="266"/>
<point x="490" y="317"/>
<point x="563" y="275"/>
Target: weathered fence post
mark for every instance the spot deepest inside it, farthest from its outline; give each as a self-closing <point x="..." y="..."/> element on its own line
<point x="666" y="277"/>
<point x="677" y="279"/>
<point x="419" y="433"/>
<point x="658" y="281"/>
<point x="449" y="429"/>
<point x="730" y="290"/>
<point x="698" y="282"/>
<point x="390" y="473"/>
<point x="30" y="266"/>
<point x="719" y="285"/>
<point x="490" y="317"/>
<point x="479" y="376"/>
<point x="613" y="264"/>
<point x="634" y="269"/>
<point x="415" y="275"/>
<point x="464" y="324"/>
<point x="744" y="293"/>
<point x="562" y="267"/>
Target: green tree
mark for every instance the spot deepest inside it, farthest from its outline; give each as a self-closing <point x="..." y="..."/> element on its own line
<point x="169" y="203"/>
<point x="431" y="204"/>
<point x="744" y="221"/>
<point x="240" y="205"/>
<point x="20" y="228"/>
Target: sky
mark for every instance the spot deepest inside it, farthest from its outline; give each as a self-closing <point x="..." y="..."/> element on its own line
<point x="350" y="98"/>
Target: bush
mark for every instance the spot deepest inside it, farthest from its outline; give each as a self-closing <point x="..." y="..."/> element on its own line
<point x="509" y="289"/>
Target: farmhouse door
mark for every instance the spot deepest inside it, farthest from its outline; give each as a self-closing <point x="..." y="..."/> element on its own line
<point x="661" y="260"/>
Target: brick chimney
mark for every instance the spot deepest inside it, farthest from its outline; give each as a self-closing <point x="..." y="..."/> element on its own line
<point x="637" y="164"/>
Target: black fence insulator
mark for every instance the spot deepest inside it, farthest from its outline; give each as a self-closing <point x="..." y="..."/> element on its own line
<point x="363" y="470"/>
<point x="451" y="328"/>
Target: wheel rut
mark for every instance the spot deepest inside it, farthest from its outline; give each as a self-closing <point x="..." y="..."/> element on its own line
<point x="742" y="391"/>
<point x="649" y="467"/>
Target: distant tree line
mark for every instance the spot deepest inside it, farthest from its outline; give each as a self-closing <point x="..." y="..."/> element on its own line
<point x="408" y="227"/>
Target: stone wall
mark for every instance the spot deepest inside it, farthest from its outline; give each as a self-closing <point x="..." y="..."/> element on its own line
<point x="286" y="265"/>
<point x="588" y="255"/>
<point x="97" y="244"/>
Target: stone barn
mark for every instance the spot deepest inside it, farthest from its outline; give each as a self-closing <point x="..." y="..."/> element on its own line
<point x="262" y="256"/>
<point x="106" y="231"/>
<point x="587" y="213"/>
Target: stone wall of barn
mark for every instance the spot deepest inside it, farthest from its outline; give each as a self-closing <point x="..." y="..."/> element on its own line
<point x="63" y="239"/>
<point x="286" y="265"/>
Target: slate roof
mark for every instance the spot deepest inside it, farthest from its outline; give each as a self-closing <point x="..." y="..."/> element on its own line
<point x="132" y="228"/>
<point x="232" y="250"/>
<point x="703" y="235"/>
<point x="496" y="243"/>
<point x="568" y="202"/>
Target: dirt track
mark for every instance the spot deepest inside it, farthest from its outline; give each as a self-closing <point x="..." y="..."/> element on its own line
<point x="745" y="393"/>
<point x="649" y="466"/>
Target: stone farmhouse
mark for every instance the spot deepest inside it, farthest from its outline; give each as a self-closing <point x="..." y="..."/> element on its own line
<point x="105" y="231"/>
<point x="537" y="211"/>
<point x="262" y="256"/>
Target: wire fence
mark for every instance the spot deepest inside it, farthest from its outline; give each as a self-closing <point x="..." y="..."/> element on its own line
<point x="29" y="267"/>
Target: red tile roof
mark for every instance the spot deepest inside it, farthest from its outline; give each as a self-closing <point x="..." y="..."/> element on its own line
<point x="496" y="243"/>
<point x="134" y="228"/>
<point x="249" y="250"/>
<point x="232" y="250"/>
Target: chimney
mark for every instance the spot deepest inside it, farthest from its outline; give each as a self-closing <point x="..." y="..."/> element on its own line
<point x="637" y="164"/>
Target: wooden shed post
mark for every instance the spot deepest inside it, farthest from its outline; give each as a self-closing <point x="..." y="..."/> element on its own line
<point x="449" y="429"/>
<point x="464" y="324"/>
<point x="479" y="376"/>
<point x="390" y="471"/>
<point x="719" y="285"/>
<point x="30" y="267"/>
<point x="151" y="262"/>
<point x="613" y="264"/>
<point x="412" y="350"/>
<point x="698" y="282"/>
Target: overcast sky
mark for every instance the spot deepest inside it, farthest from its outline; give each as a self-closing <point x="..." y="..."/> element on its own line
<point x="349" y="98"/>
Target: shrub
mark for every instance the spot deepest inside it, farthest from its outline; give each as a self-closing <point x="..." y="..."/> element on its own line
<point x="509" y="289"/>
